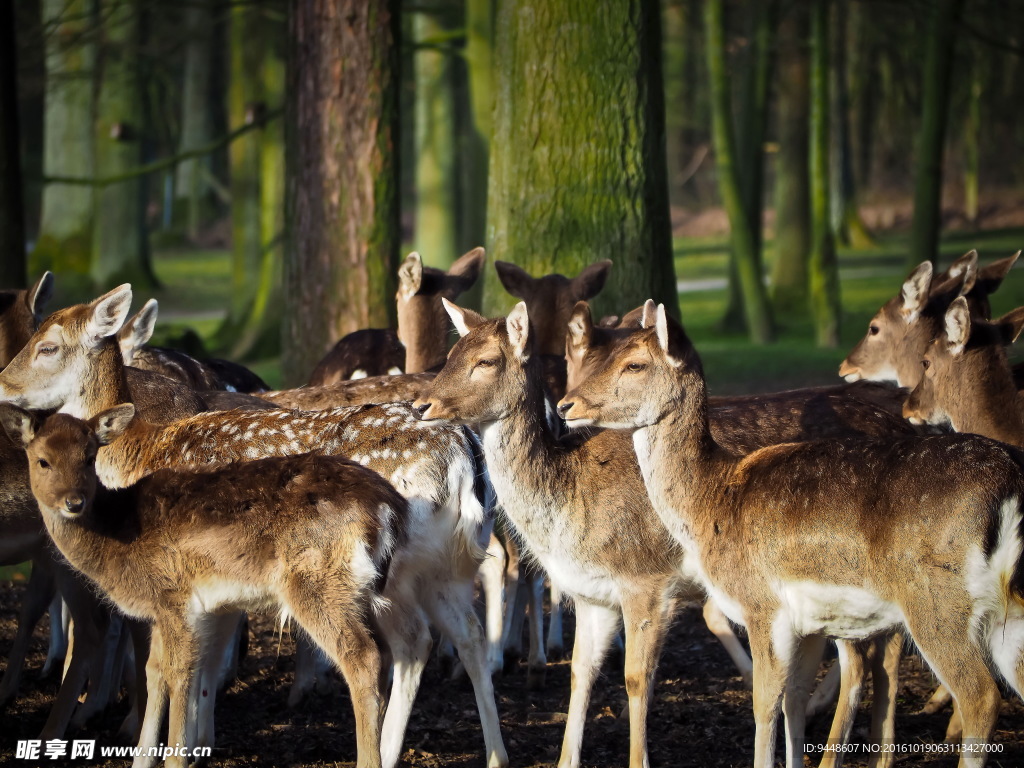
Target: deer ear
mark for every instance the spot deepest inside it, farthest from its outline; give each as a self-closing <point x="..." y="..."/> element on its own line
<point x="914" y="294"/>
<point x="137" y="331"/>
<point x="108" y="313"/>
<point x="647" y="314"/>
<point x="1010" y="325"/>
<point x="959" y="266"/>
<point x="958" y="326"/>
<point x="464" y="320"/>
<point x="588" y="283"/>
<point x="515" y="279"/>
<point x="581" y="326"/>
<point x="19" y="425"/>
<point x="517" y="324"/>
<point x="40" y="294"/>
<point x="464" y="273"/>
<point x="410" y="276"/>
<point x="109" y="424"/>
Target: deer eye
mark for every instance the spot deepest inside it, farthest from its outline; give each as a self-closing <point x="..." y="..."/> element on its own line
<point x="635" y="367"/>
<point x="873" y="330"/>
<point x="48" y="350"/>
<point x="926" y="364"/>
<point x="44" y="464"/>
<point x="486" y="363"/>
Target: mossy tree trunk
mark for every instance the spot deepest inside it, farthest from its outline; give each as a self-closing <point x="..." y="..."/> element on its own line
<point x="577" y="161"/>
<point x="437" y="180"/>
<point x="12" y="210"/>
<point x="744" y="242"/>
<point x="342" y="173"/>
<point x="66" y="224"/>
<point x="193" y="198"/>
<point x="823" y="269"/>
<point x="120" y="241"/>
<point x="931" y="137"/>
<point x="792" y="177"/>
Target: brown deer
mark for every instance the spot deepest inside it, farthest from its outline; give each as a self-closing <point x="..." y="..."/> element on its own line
<point x="580" y="509"/>
<point x="901" y="330"/>
<point x="420" y="343"/>
<point x="73" y="363"/>
<point x="967" y="382"/>
<point x="20" y="313"/>
<point x="309" y="536"/>
<point x="847" y="538"/>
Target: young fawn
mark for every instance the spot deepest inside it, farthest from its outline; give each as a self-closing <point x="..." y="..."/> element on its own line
<point x="73" y="363"/>
<point x="309" y="536"/>
<point x="846" y="538"/>
<point x="580" y="509"/>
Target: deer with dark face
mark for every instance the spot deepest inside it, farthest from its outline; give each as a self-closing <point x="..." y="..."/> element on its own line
<point x="579" y="508"/>
<point x="847" y="538"/>
<point x="309" y="536"/>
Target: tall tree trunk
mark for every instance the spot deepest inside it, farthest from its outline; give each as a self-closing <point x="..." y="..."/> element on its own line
<point x="822" y="267"/>
<point x="931" y="137"/>
<point x="972" y="129"/>
<point x="66" y="225"/>
<point x="120" y="241"/>
<point x="246" y="103"/>
<point x="191" y="190"/>
<point x="743" y="240"/>
<point x="436" y="175"/>
<point x="577" y="168"/>
<point x="792" y="175"/>
<point x="12" y="210"/>
<point x="342" y="172"/>
<point x="675" y="21"/>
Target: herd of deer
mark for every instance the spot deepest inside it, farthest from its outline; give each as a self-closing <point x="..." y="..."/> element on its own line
<point x="365" y="506"/>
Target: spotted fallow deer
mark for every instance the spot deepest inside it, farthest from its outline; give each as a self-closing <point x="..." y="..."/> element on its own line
<point x="847" y="538"/>
<point x="310" y="536"/>
<point x="73" y="363"/>
<point x="900" y="331"/>
<point x="420" y="343"/>
<point x="579" y="508"/>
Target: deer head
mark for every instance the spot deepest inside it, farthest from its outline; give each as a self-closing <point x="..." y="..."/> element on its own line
<point x="50" y="370"/>
<point x="62" y="454"/>
<point x="966" y="379"/>
<point x="20" y="314"/>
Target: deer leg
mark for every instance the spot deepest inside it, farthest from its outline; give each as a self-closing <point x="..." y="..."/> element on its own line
<point x="771" y="669"/>
<point x="104" y="677"/>
<point x="219" y="634"/>
<point x="537" y="663"/>
<point x="885" y="667"/>
<point x="180" y="654"/>
<point x="595" y="625"/>
<point x="720" y="627"/>
<point x="826" y="694"/>
<point x="554" y="647"/>
<point x="851" y="669"/>
<point x="156" y="700"/>
<point x="492" y="580"/>
<point x="407" y="634"/>
<point x="131" y="725"/>
<point x="940" y="699"/>
<point x="305" y="669"/>
<point x="452" y="611"/>
<point x="60" y="629"/>
<point x="38" y="594"/>
<point x="646" y="618"/>
<point x="802" y="662"/>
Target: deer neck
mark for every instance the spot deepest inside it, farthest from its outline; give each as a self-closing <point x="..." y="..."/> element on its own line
<point x="681" y="465"/>
<point x="520" y="449"/>
<point x="104" y="387"/>
<point x="422" y="328"/>
<point x="993" y="410"/>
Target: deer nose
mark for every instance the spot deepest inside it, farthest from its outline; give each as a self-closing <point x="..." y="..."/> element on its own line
<point x="421" y="407"/>
<point x="75" y="503"/>
<point x="564" y="408"/>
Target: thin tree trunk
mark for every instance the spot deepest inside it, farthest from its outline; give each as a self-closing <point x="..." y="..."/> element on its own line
<point x="931" y="137"/>
<point x="342" y="174"/>
<point x="792" y="176"/>
<point x="822" y="267"/>
<point x="120" y="241"/>
<point x="972" y="129"/>
<point x="577" y="169"/>
<point x="191" y="190"/>
<point x="436" y="175"/>
<point x="12" y="210"/>
<point x="66" y="224"/>
<point x="744" y="244"/>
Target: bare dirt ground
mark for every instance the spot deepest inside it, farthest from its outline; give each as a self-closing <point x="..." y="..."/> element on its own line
<point x="700" y="716"/>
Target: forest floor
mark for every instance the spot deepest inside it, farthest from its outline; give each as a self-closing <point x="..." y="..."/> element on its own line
<point x="700" y="715"/>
